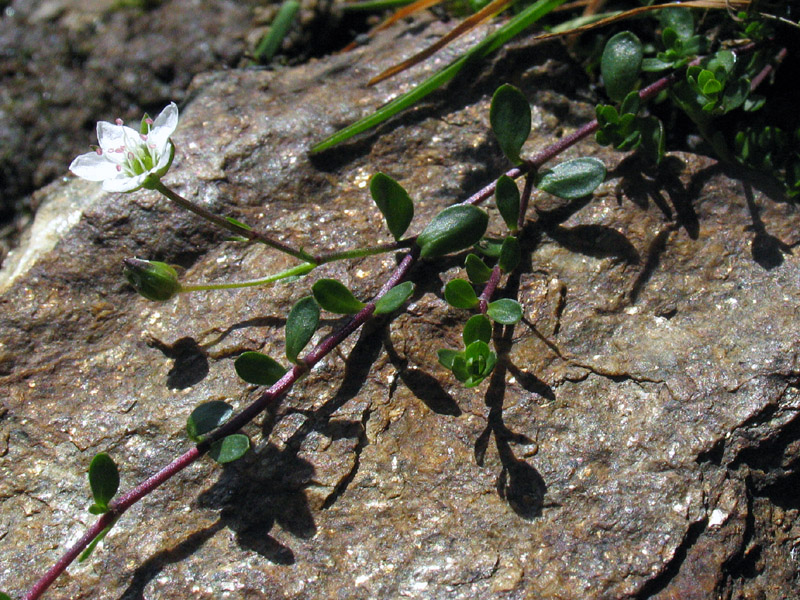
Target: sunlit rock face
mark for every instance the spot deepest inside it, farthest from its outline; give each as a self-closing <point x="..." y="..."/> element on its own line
<point x="638" y="437"/>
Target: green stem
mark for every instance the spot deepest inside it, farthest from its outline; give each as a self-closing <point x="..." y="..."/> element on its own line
<point x="321" y="259"/>
<point x="237" y="228"/>
<point x="293" y="272"/>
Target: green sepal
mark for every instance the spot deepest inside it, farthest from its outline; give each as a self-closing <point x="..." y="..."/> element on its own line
<point x="154" y="280"/>
<point x="393" y="202"/>
<point x="300" y="326"/>
<point x="574" y="178"/>
<point x="620" y="64"/>
<point x="506" y="197"/>
<point x="510" y="117"/>
<point x="207" y="417"/>
<point x="505" y="311"/>
<point x="477" y="328"/>
<point x="335" y="297"/>
<point x="394" y="298"/>
<point x="459" y="294"/>
<point x="510" y="254"/>
<point x="104" y="482"/>
<point x="477" y="270"/>
<point x="258" y="368"/>
<point x="229" y="448"/>
<point x="455" y="228"/>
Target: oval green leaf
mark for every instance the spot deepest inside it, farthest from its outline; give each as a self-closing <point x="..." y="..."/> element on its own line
<point x="455" y="228"/>
<point x="620" y="64"/>
<point x="459" y="294"/>
<point x="258" y="368"/>
<point x="229" y="448"/>
<point x="393" y="202"/>
<point x="574" y="178"/>
<point x="477" y="270"/>
<point x="477" y="328"/>
<point x="505" y="311"/>
<point x="510" y="116"/>
<point x="506" y="196"/>
<point x="103" y="480"/>
<point x="334" y="297"/>
<point x="207" y="417"/>
<point x="300" y="326"/>
<point x="446" y="357"/>
<point x="394" y="298"/>
<point x="510" y="254"/>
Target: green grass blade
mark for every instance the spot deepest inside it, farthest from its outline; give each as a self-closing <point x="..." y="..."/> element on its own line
<point x="271" y="42"/>
<point x="488" y="45"/>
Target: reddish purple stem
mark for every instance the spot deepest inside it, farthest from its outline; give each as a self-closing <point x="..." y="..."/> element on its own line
<point x="121" y="504"/>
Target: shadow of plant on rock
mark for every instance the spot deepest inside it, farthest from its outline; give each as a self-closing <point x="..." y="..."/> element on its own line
<point x="642" y="182"/>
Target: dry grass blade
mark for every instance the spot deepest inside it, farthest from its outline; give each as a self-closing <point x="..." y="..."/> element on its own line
<point x="468" y="24"/>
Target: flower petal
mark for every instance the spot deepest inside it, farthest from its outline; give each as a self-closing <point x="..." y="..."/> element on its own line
<point x="164" y="126"/>
<point x="123" y="183"/>
<point x="94" y="167"/>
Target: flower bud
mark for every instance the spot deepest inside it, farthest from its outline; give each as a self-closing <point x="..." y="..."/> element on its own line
<point x="152" y="279"/>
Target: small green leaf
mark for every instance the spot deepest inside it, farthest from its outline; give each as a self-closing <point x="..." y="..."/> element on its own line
<point x="510" y="255"/>
<point x="394" y="298"/>
<point x="652" y="130"/>
<point x="393" y="202"/>
<point x="459" y="294"/>
<point x="229" y="448"/>
<point x="506" y="196"/>
<point x="446" y="357"/>
<point x="477" y="270"/>
<point x="510" y="116"/>
<point x="300" y="326"/>
<point x="475" y="364"/>
<point x="93" y="544"/>
<point x="258" y="368"/>
<point x="620" y="64"/>
<point x="679" y="19"/>
<point x="631" y="104"/>
<point x="490" y="247"/>
<point x="334" y="297"/>
<point x="455" y="228"/>
<point x="505" y="311"/>
<point x="207" y="417"/>
<point x="104" y="481"/>
<point x="574" y="178"/>
<point x="477" y="328"/>
<point x="239" y="224"/>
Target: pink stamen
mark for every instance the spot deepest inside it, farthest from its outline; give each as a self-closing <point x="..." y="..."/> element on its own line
<point x="99" y="151"/>
<point x="119" y="122"/>
<point x="143" y="136"/>
<point x="149" y="121"/>
<point x="119" y="168"/>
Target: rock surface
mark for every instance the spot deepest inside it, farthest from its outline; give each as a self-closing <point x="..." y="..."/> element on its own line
<point x="638" y="439"/>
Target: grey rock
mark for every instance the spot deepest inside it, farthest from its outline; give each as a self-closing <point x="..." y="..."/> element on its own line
<point x="638" y="438"/>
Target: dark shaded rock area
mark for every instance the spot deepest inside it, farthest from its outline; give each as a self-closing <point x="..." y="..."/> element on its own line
<point x="638" y="439"/>
<point x="64" y="64"/>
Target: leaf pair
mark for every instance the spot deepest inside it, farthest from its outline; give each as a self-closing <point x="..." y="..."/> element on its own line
<point x="473" y="364"/>
<point x="209" y="416"/>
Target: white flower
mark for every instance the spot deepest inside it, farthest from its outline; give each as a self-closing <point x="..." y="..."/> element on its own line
<point x="128" y="159"/>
